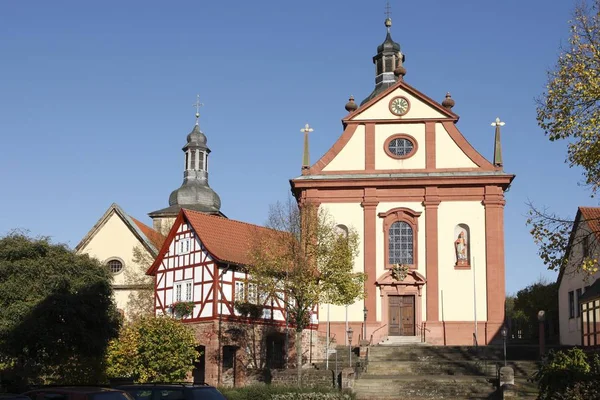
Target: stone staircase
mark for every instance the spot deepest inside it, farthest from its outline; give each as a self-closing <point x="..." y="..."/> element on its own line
<point x="412" y="371"/>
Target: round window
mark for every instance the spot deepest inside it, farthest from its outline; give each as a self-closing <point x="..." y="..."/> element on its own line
<point x="400" y="147"/>
<point x="115" y="266"/>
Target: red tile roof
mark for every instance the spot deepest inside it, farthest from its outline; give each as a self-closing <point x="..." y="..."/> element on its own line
<point x="591" y="215"/>
<point x="226" y="239"/>
<point x="155" y="237"/>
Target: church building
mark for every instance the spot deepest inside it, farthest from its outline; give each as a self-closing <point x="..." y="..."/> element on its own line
<point x="428" y="207"/>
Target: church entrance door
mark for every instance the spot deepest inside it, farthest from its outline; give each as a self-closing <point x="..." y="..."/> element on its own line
<point x="402" y="315"/>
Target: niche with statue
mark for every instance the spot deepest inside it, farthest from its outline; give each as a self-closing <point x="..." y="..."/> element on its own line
<point x="462" y="246"/>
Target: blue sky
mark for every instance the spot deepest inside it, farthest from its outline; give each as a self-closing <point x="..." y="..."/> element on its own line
<point x="96" y="100"/>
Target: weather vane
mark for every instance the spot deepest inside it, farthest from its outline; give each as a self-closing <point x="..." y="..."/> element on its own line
<point x="197" y="104"/>
<point x="388" y="10"/>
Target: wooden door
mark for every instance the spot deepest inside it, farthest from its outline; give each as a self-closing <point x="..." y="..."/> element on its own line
<point x="401" y="316"/>
<point x="394" y="319"/>
<point x="408" y="316"/>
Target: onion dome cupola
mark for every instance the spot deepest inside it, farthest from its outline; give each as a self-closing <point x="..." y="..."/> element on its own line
<point x="388" y="63"/>
<point x="194" y="193"/>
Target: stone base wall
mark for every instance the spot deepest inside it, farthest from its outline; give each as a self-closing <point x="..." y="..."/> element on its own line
<point x="311" y="378"/>
<point x="249" y="341"/>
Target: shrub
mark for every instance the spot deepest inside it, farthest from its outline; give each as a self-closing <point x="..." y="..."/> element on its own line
<point x="569" y="375"/>
<point x="270" y="392"/>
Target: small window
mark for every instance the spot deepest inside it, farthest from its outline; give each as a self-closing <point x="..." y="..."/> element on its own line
<point x="182" y="246"/>
<point x="240" y="291"/>
<point x="341" y="230"/>
<point x="571" y="304"/>
<point x="115" y="266"/>
<point x="184" y="291"/>
<point x="400" y="147"/>
<point x="577" y="312"/>
<point x="193" y="166"/>
<point x="586" y="245"/>
<point x="229" y="356"/>
<point x="201" y="160"/>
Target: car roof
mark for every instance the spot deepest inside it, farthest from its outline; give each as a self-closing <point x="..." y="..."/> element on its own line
<point x="163" y="385"/>
<point x="73" y="389"/>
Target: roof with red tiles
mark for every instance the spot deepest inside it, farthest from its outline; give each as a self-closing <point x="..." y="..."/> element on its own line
<point x="155" y="237"/>
<point x="591" y="215"/>
<point x="226" y="239"/>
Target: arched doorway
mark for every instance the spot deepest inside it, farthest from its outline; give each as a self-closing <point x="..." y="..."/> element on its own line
<point x="199" y="371"/>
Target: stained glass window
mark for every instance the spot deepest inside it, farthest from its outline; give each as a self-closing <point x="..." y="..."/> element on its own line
<point x="400" y="243"/>
<point x="400" y="146"/>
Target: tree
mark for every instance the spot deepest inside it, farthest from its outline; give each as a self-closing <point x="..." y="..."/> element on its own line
<point x="141" y="300"/>
<point x="522" y="309"/>
<point x="159" y="349"/>
<point x="56" y="311"/>
<point x="304" y="260"/>
<point x="569" y="108"/>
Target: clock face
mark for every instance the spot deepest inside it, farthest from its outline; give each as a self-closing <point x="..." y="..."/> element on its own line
<point x="399" y="106"/>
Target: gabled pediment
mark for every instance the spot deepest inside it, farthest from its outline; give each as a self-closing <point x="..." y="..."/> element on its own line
<point x="419" y="106"/>
<point x="413" y="278"/>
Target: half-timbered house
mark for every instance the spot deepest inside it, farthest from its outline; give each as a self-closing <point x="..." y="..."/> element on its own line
<point x="202" y="264"/>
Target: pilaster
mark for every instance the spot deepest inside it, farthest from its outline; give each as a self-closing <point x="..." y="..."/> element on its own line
<point x="494" y="246"/>
<point x="431" y="204"/>
<point x="369" y="205"/>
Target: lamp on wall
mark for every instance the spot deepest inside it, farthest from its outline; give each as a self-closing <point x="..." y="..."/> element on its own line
<point x="350" y="333"/>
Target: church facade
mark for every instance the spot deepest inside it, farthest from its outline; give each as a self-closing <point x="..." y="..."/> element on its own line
<point x="429" y="209"/>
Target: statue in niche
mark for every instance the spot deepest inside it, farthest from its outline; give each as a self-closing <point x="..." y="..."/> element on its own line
<point x="461" y="246"/>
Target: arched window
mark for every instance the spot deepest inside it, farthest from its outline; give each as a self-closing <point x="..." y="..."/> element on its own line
<point x="400" y="243"/>
<point x="115" y="266"/>
<point x="341" y="230"/>
<point x="400" y="231"/>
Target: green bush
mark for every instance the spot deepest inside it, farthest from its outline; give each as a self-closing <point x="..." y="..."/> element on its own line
<point x="269" y="392"/>
<point x="572" y="375"/>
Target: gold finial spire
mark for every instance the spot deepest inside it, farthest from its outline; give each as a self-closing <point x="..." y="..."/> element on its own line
<point x="306" y="157"/>
<point x="388" y="14"/>
<point x="497" y="144"/>
<point x="197" y="104"/>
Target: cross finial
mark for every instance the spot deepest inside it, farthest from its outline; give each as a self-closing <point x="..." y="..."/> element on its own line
<point x="497" y="122"/>
<point x="388" y="10"/>
<point x="197" y="104"/>
<point x="497" y="144"/>
<point x="306" y="129"/>
<point x="306" y="156"/>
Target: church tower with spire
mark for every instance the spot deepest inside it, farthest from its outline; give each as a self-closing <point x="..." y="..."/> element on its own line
<point x="428" y="208"/>
<point x="194" y="193"/>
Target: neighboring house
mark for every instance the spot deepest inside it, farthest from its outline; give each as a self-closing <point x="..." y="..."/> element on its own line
<point x="572" y="282"/>
<point x="589" y="304"/>
<point x="420" y="195"/>
<point x="112" y="240"/>
<point x="202" y="261"/>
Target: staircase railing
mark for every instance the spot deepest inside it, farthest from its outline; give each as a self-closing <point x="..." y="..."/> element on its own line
<point x="422" y="331"/>
<point x="373" y="333"/>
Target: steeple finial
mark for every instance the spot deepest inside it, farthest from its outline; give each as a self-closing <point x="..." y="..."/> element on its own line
<point x="497" y="144"/>
<point x="197" y="104"/>
<point x="388" y="14"/>
<point x="306" y="157"/>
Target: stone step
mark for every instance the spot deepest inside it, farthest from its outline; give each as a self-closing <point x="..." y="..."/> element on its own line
<point x="419" y="350"/>
<point x="400" y="340"/>
<point x="403" y="387"/>
<point x="461" y="367"/>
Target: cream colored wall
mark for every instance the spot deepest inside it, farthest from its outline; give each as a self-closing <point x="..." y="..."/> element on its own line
<point x="384" y="131"/>
<point x="351" y="215"/>
<point x="352" y="156"/>
<point x="380" y="247"/>
<point x="457" y="285"/>
<point x="380" y="110"/>
<point x="115" y="240"/>
<point x="570" y="328"/>
<point x="447" y="152"/>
